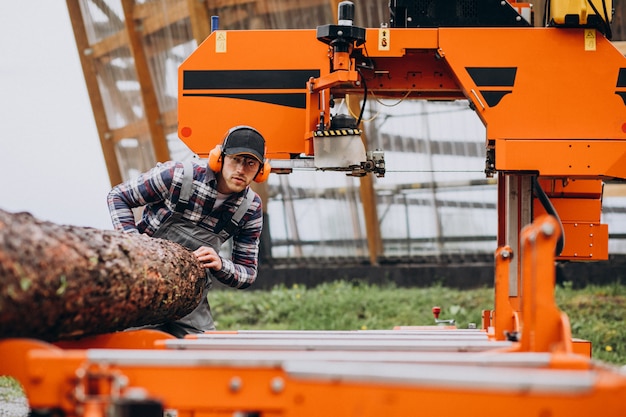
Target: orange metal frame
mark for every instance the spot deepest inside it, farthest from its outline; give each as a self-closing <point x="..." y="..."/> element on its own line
<point x="553" y="96"/>
<point x="541" y="93"/>
<point x="553" y="106"/>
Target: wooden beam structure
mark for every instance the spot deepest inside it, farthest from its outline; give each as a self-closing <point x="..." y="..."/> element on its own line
<point x="147" y="89"/>
<point x="85" y="53"/>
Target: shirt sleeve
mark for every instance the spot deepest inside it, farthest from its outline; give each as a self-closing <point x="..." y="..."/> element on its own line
<point x="150" y="187"/>
<point x="241" y="271"/>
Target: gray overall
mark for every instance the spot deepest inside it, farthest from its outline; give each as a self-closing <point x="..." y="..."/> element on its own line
<point x="188" y="234"/>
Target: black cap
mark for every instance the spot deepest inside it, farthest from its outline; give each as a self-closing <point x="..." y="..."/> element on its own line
<point x="244" y="140"/>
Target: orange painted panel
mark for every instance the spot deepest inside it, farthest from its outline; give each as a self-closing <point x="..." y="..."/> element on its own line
<point x="572" y="188"/>
<point x="572" y="209"/>
<point x="557" y="87"/>
<point x="256" y="78"/>
<point x="582" y="347"/>
<point x="586" y="242"/>
<point x="586" y="239"/>
<point x="564" y="158"/>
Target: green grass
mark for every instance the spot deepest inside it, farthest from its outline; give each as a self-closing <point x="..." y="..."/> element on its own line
<point x="13" y="402"/>
<point x="596" y="313"/>
<point x="9" y="389"/>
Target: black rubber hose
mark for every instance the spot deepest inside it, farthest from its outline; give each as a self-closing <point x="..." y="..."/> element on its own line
<point x="547" y="205"/>
<point x="358" y="122"/>
<point x="607" y="26"/>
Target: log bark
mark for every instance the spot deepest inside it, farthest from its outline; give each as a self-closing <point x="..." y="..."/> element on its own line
<point x="62" y="282"/>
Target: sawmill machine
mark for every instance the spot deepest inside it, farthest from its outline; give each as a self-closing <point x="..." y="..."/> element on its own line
<point x="553" y="103"/>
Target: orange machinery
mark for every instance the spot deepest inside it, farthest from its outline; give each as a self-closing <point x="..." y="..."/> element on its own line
<point x="553" y="100"/>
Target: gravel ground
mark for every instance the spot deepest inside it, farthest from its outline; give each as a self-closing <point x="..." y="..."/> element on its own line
<point x="12" y="403"/>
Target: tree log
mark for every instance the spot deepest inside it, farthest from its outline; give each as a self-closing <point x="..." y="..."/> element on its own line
<point x="63" y="282"/>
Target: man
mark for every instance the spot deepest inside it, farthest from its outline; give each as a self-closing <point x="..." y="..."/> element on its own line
<point x="200" y="207"/>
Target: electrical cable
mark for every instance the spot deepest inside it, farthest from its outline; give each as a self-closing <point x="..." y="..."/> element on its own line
<point x="607" y="21"/>
<point x="607" y="27"/>
<point x="546" y="7"/>
<point x="463" y="171"/>
<point x="547" y="205"/>
<point x="358" y="122"/>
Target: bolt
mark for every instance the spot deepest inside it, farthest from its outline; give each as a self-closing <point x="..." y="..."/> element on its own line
<point x="277" y="385"/>
<point x="547" y="229"/>
<point x="235" y="384"/>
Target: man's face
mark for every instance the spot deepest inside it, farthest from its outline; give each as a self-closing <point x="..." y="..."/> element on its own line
<point x="238" y="171"/>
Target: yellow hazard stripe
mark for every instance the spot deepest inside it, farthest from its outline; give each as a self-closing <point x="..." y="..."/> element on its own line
<point x="337" y="132"/>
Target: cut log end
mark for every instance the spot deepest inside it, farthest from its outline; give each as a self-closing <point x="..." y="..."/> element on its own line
<point x="59" y="282"/>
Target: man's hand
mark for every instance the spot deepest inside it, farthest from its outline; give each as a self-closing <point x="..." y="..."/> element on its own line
<point x="208" y="257"/>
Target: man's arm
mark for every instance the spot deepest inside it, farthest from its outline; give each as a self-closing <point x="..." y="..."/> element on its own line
<point x="120" y="209"/>
<point x="149" y="187"/>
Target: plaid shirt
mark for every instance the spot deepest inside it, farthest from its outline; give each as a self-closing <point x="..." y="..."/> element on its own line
<point x="159" y="189"/>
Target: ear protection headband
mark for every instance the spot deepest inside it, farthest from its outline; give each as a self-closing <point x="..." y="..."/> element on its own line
<point x="216" y="157"/>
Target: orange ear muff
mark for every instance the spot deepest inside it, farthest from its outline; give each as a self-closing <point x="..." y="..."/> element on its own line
<point x="215" y="159"/>
<point x="215" y="163"/>
<point x="264" y="173"/>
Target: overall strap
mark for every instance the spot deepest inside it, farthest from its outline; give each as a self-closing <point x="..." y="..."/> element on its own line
<point x="185" y="189"/>
<point x="230" y="228"/>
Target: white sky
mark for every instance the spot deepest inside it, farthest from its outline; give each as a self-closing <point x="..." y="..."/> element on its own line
<point x="51" y="163"/>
